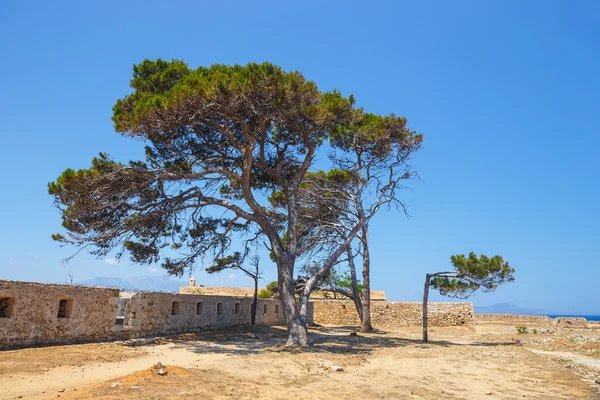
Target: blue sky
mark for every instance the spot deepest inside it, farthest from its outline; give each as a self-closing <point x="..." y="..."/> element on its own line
<point x="506" y="93"/>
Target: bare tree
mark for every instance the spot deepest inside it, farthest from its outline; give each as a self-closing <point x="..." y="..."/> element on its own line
<point x="236" y="261"/>
<point x="70" y="278"/>
<point x="370" y="159"/>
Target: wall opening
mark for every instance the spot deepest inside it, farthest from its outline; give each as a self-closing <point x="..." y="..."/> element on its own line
<point x="265" y="309"/>
<point x="6" y="307"/>
<point x="199" y="308"/>
<point x="236" y="308"/>
<point x="219" y="308"/>
<point x="122" y="311"/>
<point x="175" y="308"/>
<point x="65" y="308"/>
<point x="276" y="308"/>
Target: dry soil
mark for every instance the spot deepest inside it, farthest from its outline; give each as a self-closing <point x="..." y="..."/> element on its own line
<point x="477" y="362"/>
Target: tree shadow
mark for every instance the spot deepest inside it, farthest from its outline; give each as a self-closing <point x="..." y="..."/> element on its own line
<point x="247" y="340"/>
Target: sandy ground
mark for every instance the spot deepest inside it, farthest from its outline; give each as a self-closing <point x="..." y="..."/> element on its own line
<point x="480" y="362"/>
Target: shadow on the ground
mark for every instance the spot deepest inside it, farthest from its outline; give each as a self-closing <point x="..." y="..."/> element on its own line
<point x="335" y="340"/>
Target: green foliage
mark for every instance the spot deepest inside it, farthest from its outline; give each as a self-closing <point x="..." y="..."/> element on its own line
<point x="265" y="294"/>
<point x="222" y="137"/>
<point x="333" y="280"/>
<point x="472" y="273"/>
<point x="171" y="87"/>
<point x="273" y="286"/>
<point x="223" y="263"/>
<point x="197" y="124"/>
<point x="522" y="329"/>
<point x="344" y="281"/>
<point x="376" y="136"/>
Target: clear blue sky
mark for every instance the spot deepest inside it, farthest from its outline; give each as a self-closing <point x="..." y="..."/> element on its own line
<point x="507" y="94"/>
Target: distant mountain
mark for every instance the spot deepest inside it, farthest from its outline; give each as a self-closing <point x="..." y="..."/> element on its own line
<point x="138" y="283"/>
<point x="508" y="308"/>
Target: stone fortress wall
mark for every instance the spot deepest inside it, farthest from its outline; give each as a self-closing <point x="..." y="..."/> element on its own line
<point x="36" y="313"/>
<point x="171" y="313"/>
<point x="390" y="314"/>
<point x="574" y="322"/>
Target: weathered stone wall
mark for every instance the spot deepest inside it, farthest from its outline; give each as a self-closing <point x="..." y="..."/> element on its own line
<point x="511" y="318"/>
<point x="376" y="295"/>
<point x="566" y="322"/>
<point x="384" y="314"/>
<point x="35" y="313"/>
<point x="571" y="322"/>
<point x="32" y="316"/>
<point x="168" y="313"/>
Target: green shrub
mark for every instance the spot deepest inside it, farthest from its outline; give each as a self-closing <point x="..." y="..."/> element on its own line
<point x="522" y="329"/>
<point x="264" y="294"/>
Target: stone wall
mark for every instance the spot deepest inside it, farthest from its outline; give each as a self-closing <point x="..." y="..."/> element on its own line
<point x="376" y="295"/>
<point x="168" y="313"/>
<point x="389" y="314"/>
<point x="565" y="322"/>
<point x="32" y="315"/>
<point x="511" y="318"/>
<point x="36" y="313"/>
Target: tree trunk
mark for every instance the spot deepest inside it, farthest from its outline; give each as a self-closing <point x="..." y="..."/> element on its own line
<point x="304" y="303"/>
<point x="366" y="273"/>
<point x="297" y="332"/>
<point x="254" y="302"/>
<point x="355" y="292"/>
<point x="425" y="300"/>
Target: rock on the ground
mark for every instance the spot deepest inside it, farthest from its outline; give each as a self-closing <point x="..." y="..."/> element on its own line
<point x="337" y="368"/>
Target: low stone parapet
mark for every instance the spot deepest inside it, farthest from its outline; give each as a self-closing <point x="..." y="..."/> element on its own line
<point x="513" y="318"/>
<point x="389" y="314"/>
<point x="563" y="322"/>
<point x="37" y="313"/>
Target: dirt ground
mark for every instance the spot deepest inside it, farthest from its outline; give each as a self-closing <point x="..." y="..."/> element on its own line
<point x="477" y="362"/>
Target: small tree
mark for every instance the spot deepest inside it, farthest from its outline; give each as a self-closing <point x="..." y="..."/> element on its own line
<point x="236" y="261"/>
<point x="470" y="274"/>
<point x="371" y="163"/>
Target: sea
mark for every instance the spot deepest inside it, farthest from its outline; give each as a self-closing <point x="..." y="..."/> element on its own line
<point x="588" y="317"/>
